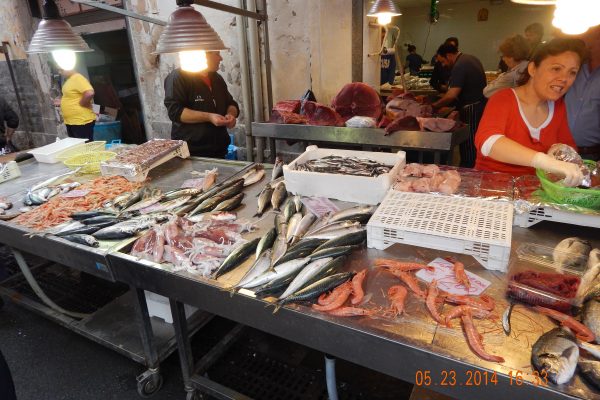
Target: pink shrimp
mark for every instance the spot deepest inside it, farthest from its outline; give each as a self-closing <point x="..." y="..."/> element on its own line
<point x="350" y="312"/>
<point x="340" y="293"/>
<point x="432" y="294"/>
<point x="484" y="302"/>
<point x="459" y="311"/>
<point x="400" y="265"/>
<point x="474" y="339"/>
<point x="397" y="295"/>
<point x="582" y="332"/>
<point x="357" y="290"/>
<point x="409" y="281"/>
<point x="459" y="273"/>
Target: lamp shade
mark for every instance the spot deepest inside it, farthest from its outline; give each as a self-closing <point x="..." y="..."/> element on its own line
<point x="383" y="7"/>
<point x="188" y="30"/>
<point x="56" y="34"/>
<point x="535" y="2"/>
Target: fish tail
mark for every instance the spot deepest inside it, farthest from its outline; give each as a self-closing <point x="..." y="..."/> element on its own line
<point x="258" y="214"/>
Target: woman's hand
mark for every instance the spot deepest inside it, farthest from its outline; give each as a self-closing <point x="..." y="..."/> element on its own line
<point x="570" y="171"/>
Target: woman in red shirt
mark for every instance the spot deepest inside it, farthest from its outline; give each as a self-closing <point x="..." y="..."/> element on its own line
<point x="519" y="125"/>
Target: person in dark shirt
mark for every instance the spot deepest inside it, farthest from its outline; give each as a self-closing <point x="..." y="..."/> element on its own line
<point x="388" y="66"/>
<point x="413" y="60"/>
<point x="9" y="121"/>
<point x="467" y="81"/>
<point x="440" y="75"/>
<point x="201" y="108"/>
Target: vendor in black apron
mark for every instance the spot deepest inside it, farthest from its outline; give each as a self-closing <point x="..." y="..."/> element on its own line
<point x="201" y="108"/>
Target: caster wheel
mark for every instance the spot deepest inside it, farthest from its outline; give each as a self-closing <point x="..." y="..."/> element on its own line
<point x="149" y="383"/>
<point x="194" y="396"/>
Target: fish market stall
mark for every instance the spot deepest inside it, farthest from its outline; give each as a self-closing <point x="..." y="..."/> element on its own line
<point x="152" y="339"/>
<point x="405" y="339"/>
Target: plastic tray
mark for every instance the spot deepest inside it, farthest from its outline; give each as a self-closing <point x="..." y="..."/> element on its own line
<point x="525" y="220"/>
<point x="89" y="162"/>
<point x="83" y="148"/>
<point x="48" y="154"/>
<point x="135" y="174"/>
<point x="480" y="228"/>
<point x="357" y="189"/>
<point x="589" y="198"/>
<point x="539" y="259"/>
<point x="9" y="171"/>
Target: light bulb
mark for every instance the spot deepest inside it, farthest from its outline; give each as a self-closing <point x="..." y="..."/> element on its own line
<point x="65" y="59"/>
<point x="575" y="17"/>
<point x="384" y="18"/>
<point x="193" y="60"/>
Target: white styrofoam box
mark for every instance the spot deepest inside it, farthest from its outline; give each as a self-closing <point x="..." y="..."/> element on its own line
<point x="525" y="220"/>
<point x="9" y="171"/>
<point x="158" y="306"/>
<point x="47" y="154"/>
<point x="477" y="227"/>
<point x="356" y="189"/>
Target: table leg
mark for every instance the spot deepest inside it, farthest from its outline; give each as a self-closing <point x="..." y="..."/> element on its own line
<point x="273" y="151"/>
<point x="260" y="148"/>
<point x="436" y="157"/>
<point x="183" y="345"/>
<point x="150" y="381"/>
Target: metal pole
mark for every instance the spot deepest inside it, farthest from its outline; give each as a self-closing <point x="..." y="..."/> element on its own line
<point x="229" y="9"/>
<point x="267" y="56"/>
<point x="121" y="11"/>
<point x="244" y="71"/>
<point x="14" y="82"/>
<point x="255" y="66"/>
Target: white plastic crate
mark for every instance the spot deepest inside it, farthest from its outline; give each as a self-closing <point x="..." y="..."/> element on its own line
<point x="525" y="220"/>
<point x="480" y="228"/>
<point x="158" y="306"/>
<point x="356" y="189"/>
<point x="9" y="171"/>
<point x="48" y="154"/>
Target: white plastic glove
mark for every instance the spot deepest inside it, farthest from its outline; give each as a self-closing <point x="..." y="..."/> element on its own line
<point x="570" y="171"/>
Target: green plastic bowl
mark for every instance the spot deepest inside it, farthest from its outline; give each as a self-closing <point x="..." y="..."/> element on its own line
<point x="588" y="198"/>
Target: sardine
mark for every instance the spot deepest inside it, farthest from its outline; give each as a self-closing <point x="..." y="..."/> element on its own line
<point x="591" y="371"/>
<point x="314" y="290"/>
<point x="266" y="242"/>
<point x="332" y="226"/>
<point x="353" y="237"/>
<point x="127" y="202"/>
<point x="230" y="204"/>
<point x="264" y="199"/>
<point x="222" y="191"/>
<point x="303" y="226"/>
<point x="292" y="226"/>
<point x="556" y="353"/>
<point x="165" y="206"/>
<point x="335" y="233"/>
<point x="357" y="213"/>
<point x="86" y="240"/>
<point x="571" y="252"/>
<point x="260" y="266"/>
<point x="279" y="195"/>
<point x="53" y="180"/>
<point x="144" y="203"/>
<point x="307" y="273"/>
<point x="277" y="169"/>
<point x="236" y="257"/>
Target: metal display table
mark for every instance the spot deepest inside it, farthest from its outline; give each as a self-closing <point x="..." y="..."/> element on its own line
<point x="150" y="340"/>
<point x="366" y="138"/>
<point x="414" y="349"/>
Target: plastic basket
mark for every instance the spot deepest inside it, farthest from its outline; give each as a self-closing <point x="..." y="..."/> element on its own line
<point x="9" y="171"/>
<point x="480" y="228"/>
<point x="588" y="198"/>
<point x="89" y="162"/>
<point x="83" y="148"/>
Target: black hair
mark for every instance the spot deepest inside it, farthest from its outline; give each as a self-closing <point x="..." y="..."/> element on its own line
<point x="411" y="48"/>
<point x="452" y="39"/>
<point x="446" y="49"/>
<point x="553" y="48"/>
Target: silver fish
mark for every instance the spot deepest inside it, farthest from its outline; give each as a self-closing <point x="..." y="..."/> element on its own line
<point x="289" y="209"/>
<point x="266" y="242"/>
<point x="306" y="274"/>
<point x="277" y="169"/>
<point x="263" y="201"/>
<point x="292" y="226"/>
<point x="279" y="195"/>
<point x="506" y="319"/>
<point x="177" y="193"/>
<point x="303" y="226"/>
<point x="5" y="205"/>
<point x="253" y="176"/>
<point x="556" y="353"/>
<point x="53" y="180"/>
<point x="593" y="349"/>
<point x="279" y="249"/>
<point x="333" y="226"/>
<point x="86" y="240"/>
<point x="349" y="213"/>
<point x="590" y="316"/>
<point x="328" y="235"/>
<point x="167" y="205"/>
<point x="280" y="271"/>
<point x="260" y="266"/>
<point x="571" y="252"/>
<point x="298" y="202"/>
<point x="590" y="276"/>
<point x="590" y="371"/>
<point x="147" y="202"/>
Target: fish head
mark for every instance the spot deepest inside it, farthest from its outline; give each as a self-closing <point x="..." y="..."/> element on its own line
<point x="560" y="368"/>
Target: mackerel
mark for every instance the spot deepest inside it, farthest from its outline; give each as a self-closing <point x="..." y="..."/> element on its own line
<point x="279" y="249"/>
<point x="298" y="202"/>
<point x="236" y="258"/>
<point x="307" y="243"/>
<point x="303" y="226"/>
<point x="292" y="226"/>
<point x="260" y="266"/>
<point x="353" y="213"/>
<point x="336" y="233"/>
<point x="331" y="252"/>
<point x="279" y="195"/>
<point x="87" y="229"/>
<point x="230" y="204"/>
<point x="86" y="240"/>
<point x="332" y="226"/>
<point x="314" y="290"/>
<point x="266" y="242"/>
<point x="307" y="273"/>
<point x="292" y="255"/>
<point x="289" y="209"/>
<point x="167" y="205"/>
<point x="277" y="169"/>
<point x="354" y="236"/>
<point x="280" y="272"/>
<point x="264" y="200"/>
<point x="177" y="193"/>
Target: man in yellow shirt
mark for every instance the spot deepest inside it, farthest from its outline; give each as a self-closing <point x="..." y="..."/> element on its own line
<point x="76" y="105"/>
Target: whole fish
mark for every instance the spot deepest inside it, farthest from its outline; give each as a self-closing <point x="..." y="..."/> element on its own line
<point x="591" y="274"/>
<point x="6" y="205"/>
<point x="222" y="191"/>
<point x="53" y="180"/>
<point x="263" y="201"/>
<point x="332" y="226"/>
<point x="281" y="224"/>
<point x="591" y="371"/>
<point x="78" y="216"/>
<point x="319" y="287"/>
<point x="230" y="204"/>
<point x="132" y="199"/>
<point x="298" y="203"/>
<point x="335" y="233"/>
<point x="144" y="203"/>
<point x="571" y="252"/>
<point x="590" y="315"/>
<point x="100" y="219"/>
<point x="277" y="169"/>
<point x="116" y="232"/>
<point x="292" y="255"/>
<point x="236" y="257"/>
<point x="254" y="175"/>
<point x="273" y="288"/>
<point x="593" y="349"/>
<point x="260" y="266"/>
<point x="353" y="237"/>
<point x="177" y="193"/>
<point x="168" y="205"/>
<point x="86" y="240"/>
<point x="556" y="353"/>
<point x="279" y="272"/>
<point x="357" y="213"/>
<point x="86" y="229"/>
<point x="279" y="249"/>
<point x="292" y="226"/>
<point x="303" y="226"/>
<point x="279" y="195"/>
<point x="331" y="252"/>
<point x="289" y="209"/>
<point x="266" y="242"/>
<point x="307" y="243"/>
<point x="307" y="273"/>
<point x="506" y="318"/>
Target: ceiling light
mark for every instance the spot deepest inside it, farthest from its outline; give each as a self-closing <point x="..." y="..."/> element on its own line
<point x="575" y="17"/>
<point x="54" y="35"/>
<point x="384" y="10"/>
<point x="536" y="2"/>
<point x="188" y="34"/>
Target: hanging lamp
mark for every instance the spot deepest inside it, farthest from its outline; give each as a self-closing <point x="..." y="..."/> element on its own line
<point x="535" y="2"/>
<point x="55" y="35"/>
<point x="384" y="10"/>
<point x="188" y="34"/>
